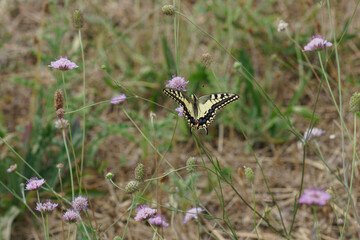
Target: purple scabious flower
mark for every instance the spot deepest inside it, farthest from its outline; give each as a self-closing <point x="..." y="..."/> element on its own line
<point x="177" y="83"/>
<point x="12" y="168"/>
<point x="192" y="213"/>
<point x="310" y="133"/>
<point x="144" y="212"/>
<point x="118" y="99"/>
<point x="80" y="203"/>
<point x="159" y="221"/>
<point x="181" y="111"/>
<point x="34" y="183"/>
<point x="317" y="42"/>
<point x="63" y="63"/>
<point x="315" y="197"/>
<point x="71" y="216"/>
<point x="46" y="207"/>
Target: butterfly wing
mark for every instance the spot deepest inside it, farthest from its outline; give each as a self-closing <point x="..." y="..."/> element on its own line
<point x="188" y="105"/>
<point x="210" y="104"/>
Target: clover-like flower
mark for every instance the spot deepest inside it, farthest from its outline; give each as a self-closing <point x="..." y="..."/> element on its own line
<point x="177" y="83"/>
<point x="63" y="63"/>
<point x="144" y="212"/>
<point x="180" y="110"/>
<point x="159" y="221"/>
<point x="80" y="203"/>
<point x="46" y="207"/>
<point x="118" y="99"/>
<point x="317" y="42"/>
<point x="34" y="183"/>
<point x="192" y="213"/>
<point x="314" y="197"/>
<point x="71" y="216"/>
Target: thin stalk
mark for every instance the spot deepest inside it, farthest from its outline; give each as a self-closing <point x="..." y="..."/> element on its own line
<point x="84" y="113"/>
<point x="47" y="226"/>
<point x="69" y="232"/>
<point x="70" y="165"/>
<point x="253" y="193"/>
<point x="42" y="215"/>
<point x="316" y="223"/>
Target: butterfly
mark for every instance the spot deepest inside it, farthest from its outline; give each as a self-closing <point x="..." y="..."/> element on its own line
<point x="200" y="112"/>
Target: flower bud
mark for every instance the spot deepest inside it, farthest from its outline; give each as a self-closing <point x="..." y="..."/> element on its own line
<point x="355" y="103"/>
<point x="78" y="19"/>
<point x="132" y="187"/>
<point x="249" y="174"/>
<point x="139" y="172"/>
<point x="190" y="165"/>
<point x="168" y="10"/>
<point x="109" y="175"/>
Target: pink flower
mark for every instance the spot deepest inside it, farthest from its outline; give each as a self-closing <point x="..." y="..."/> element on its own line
<point x="159" y="221"/>
<point x="315" y="132"/>
<point x="63" y="64"/>
<point x="12" y="168"/>
<point x="314" y="196"/>
<point x="177" y="83"/>
<point x="181" y="111"/>
<point x="317" y="42"/>
<point x="46" y="207"/>
<point x="192" y="213"/>
<point x="144" y="212"/>
<point x="34" y="183"/>
<point x="71" y="216"/>
<point x="118" y="99"/>
<point x="80" y="203"/>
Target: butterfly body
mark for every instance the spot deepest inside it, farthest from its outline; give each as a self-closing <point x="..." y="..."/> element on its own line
<point x="200" y="112"/>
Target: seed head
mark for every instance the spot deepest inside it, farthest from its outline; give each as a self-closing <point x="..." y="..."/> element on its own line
<point x="206" y="59"/>
<point x="109" y="175"/>
<point x="60" y="113"/>
<point x="139" y="172"/>
<point x="59" y="165"/>
<point x="190" y="165"/>
<point x="132" y="187"/>
<point x="58" y="99"/>
<point x="249" y="174"/>
<point x="168" y="10"/>
<point x="78" y="19"/>
<point x="355" y="103"/>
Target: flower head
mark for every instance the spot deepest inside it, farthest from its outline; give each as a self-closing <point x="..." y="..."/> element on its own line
<point x="78" y="19"/>
<point x="192" y="213"/>
<point x="34" y="183"/>
<point x="61" y="123"/>
<point x="71" y="216"/>
<point x="355" y="103"/>
<point x="168" y="10"/>
<point x="206" y="59"/>
<point x="181" y="111"/>
<point x="132" y="187"/>
<point x="314" y="196"/>
<point x="118" y="99"/>
<point x="315" y="132"/>
<point x="317" y="42"/>
<point x="144" y="212"/>
<point x="63" y="64"/>
<point x="159" y="221"/>
<point x="282" y="26"/>
<point x="177" y="83"/>
<point x="12" y="168"/>
<point x="80" y="203"/>
<point x="46" y="207"/>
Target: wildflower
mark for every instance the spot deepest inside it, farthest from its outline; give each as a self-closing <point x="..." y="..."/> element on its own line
<point x="192" y="213"/>
<point x="71" y="216"/>
<point x="34" y="183"/>
<point x="59" y="165"/>
<point x="168" y="10"/>
<point x="109" y="175"/>
<point x="314" y="196"/>
<point x="315" y="132"/>
<point x="206" y="59"/>
<point x="63" y="64"/>
<point x="78" y="19"/>
<point x="180" y="110"/>
<point x="132" y="187"/>
<point x="144" y="212"/>
<point x="159" y="221"/>
<point x="355" y="103"/>
<point x="177" y="83"/>
<point x="58" y="99"/>
<point x="282" y="26"/>
<point x="46" y="207"/>
<point x="61" y="123"/>
<point x="317" y="42"/>
<point x="12" y="168"/>
<point x="190" y="164"/>
<point x="60" y="113"/>
<point x="80" y="203"/>
<point x="249" y="174"/>
<point x="139" y="172"/>
<point x="118" y="99"/>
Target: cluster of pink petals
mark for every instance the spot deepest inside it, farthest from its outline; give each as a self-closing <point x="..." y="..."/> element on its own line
<point x="317" y="42"/>
<point x="144" y="212"/>
<point x="34" y="183"/>
<point x="71" y="216"/>
<point x="310" y="133"/>
<point x="181" y="111"/>
<point x="315" y="197"/>
<point x="63" y="63"/>
<point x="177" y="83"/>
<point x="46" y="207"/>
<point x="80" y="203"/>
<point x="159" y="221"/>
<point x="192" y="213"/>
<point x="118" y="99"/>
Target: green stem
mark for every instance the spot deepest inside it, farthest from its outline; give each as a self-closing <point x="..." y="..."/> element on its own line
<point x="253" y="193"/>
<point x="316" y="223"/>
<point x="84" y="114"/>
<point x="70" y="165"/>
<point x="42" y="215"/>
<point x="69" y="232"/>
<point x="47" y="226"/>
